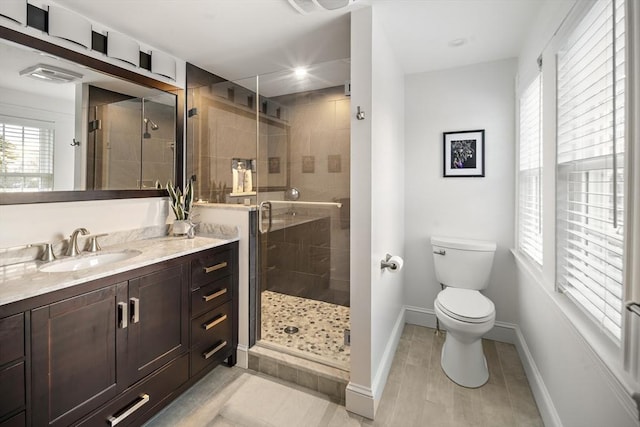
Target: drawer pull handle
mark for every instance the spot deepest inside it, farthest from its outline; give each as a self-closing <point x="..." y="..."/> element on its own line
<point x="141" y="401"/>
<point x="215" y="322"/>
<point x="208" y="354"/>
<point x="215" y="267"/>
<point x="214" y="295"/>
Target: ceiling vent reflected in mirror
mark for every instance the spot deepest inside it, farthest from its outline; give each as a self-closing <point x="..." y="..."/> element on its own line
<point x="307" y="6"/>
<point x="50" y="73"/>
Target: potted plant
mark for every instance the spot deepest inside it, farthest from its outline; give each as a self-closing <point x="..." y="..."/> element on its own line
<point x="181" y="206"/>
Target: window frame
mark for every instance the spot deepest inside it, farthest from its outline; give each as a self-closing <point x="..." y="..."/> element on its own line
<point x="46" y="151"/>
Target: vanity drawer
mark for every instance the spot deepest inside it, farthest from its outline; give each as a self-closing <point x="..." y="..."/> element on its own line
<point x="12" y="393"/>
<point x="142" y="397"/>
<point x="212" y="326"/>
<point x="11" y="338"/>
<point x="211" y="295"/>
<point x="19" y="420"/>
<point x="212" y="265"/>
<point x="205" y="355"/>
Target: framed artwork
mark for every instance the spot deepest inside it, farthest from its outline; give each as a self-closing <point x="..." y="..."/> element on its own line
<point x="308" y="164"/>
<point x="274" y="164"/>
<point x="463" y="154"/>
<point x="334" y="163"/>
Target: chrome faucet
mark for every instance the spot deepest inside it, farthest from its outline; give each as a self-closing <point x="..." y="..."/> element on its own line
<point x="72" y="249"/>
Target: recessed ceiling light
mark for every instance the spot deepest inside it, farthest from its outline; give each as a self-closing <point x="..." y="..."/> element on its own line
<point x="300" y="72"/>
<point x="457" y="42"/>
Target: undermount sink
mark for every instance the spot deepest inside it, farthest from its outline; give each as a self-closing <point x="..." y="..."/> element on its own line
<point x="88" y="261"/>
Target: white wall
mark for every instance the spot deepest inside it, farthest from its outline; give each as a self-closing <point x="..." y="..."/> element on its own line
<point x="473" y="97"/>
<point x="573" y="385"/>
<point x="51" y="222"/>
<point x="377" y="210"/>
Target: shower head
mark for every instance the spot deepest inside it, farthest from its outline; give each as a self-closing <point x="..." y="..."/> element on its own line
<point x="148" y="121"/>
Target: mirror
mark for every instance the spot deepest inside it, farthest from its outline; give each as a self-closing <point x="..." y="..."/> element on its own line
<point x="75" y="128"/>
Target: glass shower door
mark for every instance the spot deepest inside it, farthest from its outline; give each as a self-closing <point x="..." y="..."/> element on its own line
<point x="303" y="194"/>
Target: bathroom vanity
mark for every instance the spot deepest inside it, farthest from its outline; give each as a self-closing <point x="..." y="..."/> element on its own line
<point x="113" y="345"/>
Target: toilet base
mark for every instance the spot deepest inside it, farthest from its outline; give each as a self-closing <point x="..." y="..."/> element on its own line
<point x="464" y="362"/>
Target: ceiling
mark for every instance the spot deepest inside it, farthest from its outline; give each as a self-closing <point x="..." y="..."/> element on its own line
<point x="240" y="38"/>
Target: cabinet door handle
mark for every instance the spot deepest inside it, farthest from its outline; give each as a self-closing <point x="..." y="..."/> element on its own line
<point x="208" y="354"/>
<point x="140" y="402"/>
<point x="215" y="267"/>
<point x="135" y="309"/>
<point x="214" y="295"/>
<point x="214" y="322"/>
<point x="122" y="315"/>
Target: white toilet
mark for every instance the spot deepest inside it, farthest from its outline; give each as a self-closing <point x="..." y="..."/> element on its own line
<point x="464" y="266"/>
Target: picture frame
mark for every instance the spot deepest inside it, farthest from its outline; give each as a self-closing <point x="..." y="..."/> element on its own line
<point x="463" y="154"/>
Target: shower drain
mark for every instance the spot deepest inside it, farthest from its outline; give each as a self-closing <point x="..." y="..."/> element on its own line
<point x="291" y="329"/>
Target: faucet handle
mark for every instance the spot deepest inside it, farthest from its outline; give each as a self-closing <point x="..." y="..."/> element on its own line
<point x="47" y="253"/>
<point x="93" y="242"/>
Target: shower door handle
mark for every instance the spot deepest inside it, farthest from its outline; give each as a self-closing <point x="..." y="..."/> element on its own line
<point x="263" y="207"/>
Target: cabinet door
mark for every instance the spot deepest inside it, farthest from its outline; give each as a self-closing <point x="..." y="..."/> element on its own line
<point x="75" y="342"/>
<point x="158" y="320"/>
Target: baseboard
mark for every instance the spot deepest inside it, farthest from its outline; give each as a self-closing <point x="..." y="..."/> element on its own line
<point x="364" y="400"/>
<point x="547" y="409"/>
<point x="509" y="333"/>
<point x="359" y="400"/>
<point x="242" y="355"/>
<point x="502" y="331"/>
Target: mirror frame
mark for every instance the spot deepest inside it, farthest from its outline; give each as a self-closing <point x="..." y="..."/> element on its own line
<point x="115" y="71"/>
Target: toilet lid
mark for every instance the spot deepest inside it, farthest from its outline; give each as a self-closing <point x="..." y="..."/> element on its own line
<point x="466" y="305"/>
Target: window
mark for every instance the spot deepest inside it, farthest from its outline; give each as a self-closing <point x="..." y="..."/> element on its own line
<point x="26" y="155"/>
<point x="530" y="172"/>
<point x="590" y="165"/>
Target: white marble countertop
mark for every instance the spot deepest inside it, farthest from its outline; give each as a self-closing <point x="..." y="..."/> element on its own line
<point x="25" y="280"/>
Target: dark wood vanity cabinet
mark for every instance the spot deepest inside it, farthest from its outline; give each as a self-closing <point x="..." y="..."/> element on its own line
<point x="123" y="348"/>
<point x="78" y="354"/>
<point x="214" y="309"/>
<point x="13" y="366"/>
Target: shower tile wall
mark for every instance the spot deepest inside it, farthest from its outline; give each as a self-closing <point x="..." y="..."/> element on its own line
<point x="224" y="128"/>
<point x="320" y="127"/>
<point x="124" y="152"/>
<point x="158" y="151"/>
<point x="297" y="262"/>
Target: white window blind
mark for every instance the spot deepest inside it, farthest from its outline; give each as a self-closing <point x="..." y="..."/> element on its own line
<point x="590" y="164"/>
<point x="26" y="155"/>
<point x="530" y="172"/>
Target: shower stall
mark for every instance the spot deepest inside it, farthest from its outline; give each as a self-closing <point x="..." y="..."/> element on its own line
<point x="293" y="133"/>
<point x="131" y="140"/>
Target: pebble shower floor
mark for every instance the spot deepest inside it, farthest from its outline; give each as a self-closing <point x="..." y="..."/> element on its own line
<point x="321" y="326"/>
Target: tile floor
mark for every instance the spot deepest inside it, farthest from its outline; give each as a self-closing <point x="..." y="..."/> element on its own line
<point x="417" y="394"/>
<point x="321" y="326"/>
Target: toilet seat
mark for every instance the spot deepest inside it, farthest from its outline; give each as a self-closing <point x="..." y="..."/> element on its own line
<point x="466" y="305"/>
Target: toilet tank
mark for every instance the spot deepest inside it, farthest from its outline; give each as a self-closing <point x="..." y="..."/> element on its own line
<point x="462" y="263"/>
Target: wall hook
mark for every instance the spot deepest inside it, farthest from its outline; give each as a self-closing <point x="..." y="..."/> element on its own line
<point x="75" y="143"/>
<point x="359" y="114"/>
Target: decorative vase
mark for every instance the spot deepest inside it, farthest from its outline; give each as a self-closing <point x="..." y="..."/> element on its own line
<point x="181" y="227"/>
